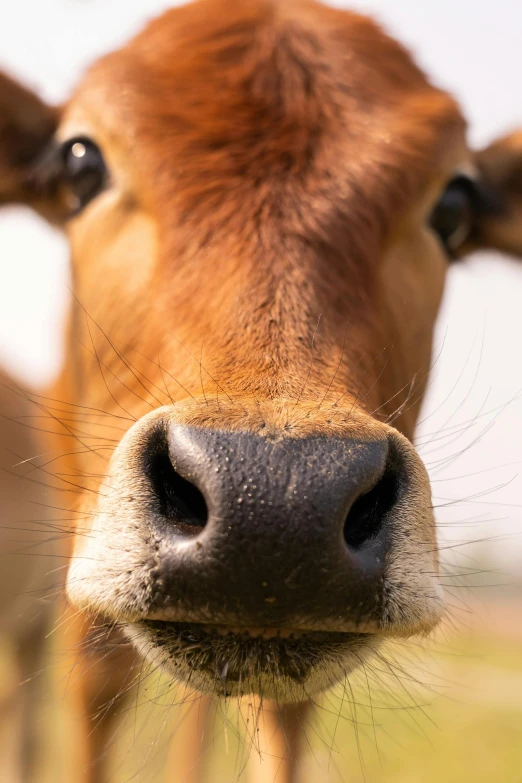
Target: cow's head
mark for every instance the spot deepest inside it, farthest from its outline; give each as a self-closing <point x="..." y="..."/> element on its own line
<point x="262" y="200"/>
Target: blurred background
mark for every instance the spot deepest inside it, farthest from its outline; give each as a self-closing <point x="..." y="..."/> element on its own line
<point x="468" y="680"/>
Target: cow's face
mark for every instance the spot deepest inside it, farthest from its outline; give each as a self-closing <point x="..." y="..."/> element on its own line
<point x="264" y="200"/>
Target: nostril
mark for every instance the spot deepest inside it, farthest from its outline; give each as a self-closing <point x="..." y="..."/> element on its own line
<point x="367" y="514"/>
<point x="179" y="501"/>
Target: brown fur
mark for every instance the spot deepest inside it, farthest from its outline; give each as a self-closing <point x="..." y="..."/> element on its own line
<point x="262" y="259"/>
<point x="501" y="167"/>
<point x="30" y="577"/>
<point x="279" y="147"/>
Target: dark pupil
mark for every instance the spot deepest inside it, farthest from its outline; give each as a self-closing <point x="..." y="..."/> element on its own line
<point x="452" y="217"/>
<point x="85" y="169"/>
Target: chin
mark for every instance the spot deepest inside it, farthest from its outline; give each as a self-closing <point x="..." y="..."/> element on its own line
<point x="275" y="664"/>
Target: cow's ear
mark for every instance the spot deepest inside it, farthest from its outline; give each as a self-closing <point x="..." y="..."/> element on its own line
<point x="498" y="222"/>
<point x="29" y="171"/>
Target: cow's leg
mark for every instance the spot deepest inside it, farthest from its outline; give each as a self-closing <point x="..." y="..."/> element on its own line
<point x="30" y="658"/>
<point x="99" y="676"/>
<point x="190" y="738"/>
<point x="10" y="724"/>
<point x="278" y="741"/>
<point x="20" y="702"/>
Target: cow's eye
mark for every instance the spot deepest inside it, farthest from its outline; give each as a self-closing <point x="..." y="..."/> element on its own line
<point x="453" y="217"/>
<point x="84" y="169"/>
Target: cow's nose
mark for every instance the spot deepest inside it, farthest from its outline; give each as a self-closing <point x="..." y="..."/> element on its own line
<point x="268" y="532"/>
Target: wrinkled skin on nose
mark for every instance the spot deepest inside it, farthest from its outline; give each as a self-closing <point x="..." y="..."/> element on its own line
<point x="244" y="530"/>
<point x="272" y="550"/>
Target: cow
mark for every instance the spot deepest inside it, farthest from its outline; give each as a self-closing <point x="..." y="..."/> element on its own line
<point x="262" y="200"/>
<point x="31" y="539"/>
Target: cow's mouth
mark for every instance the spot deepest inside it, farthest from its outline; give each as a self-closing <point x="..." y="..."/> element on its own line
<point x="232" y="661"/>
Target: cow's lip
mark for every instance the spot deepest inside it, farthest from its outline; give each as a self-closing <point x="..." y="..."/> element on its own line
<point x="181" y="616"/>
<point x="229" y="659"/>
<point x="241" y="632"/>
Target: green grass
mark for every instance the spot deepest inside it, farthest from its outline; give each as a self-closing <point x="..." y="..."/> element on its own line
<point x="446" y="711"/>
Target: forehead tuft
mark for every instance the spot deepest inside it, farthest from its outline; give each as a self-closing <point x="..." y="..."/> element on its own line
<point x="256" y="92"/>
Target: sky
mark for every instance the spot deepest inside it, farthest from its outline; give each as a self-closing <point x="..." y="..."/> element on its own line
<point x="470" y="433"/>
